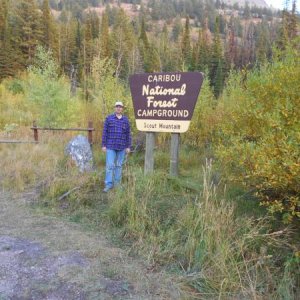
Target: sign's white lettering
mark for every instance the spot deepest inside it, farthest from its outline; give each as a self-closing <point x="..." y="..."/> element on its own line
<point x="161" y="91"/>
<point x="163" y="113"/>
<point x="164" y="77"/>
<point x="161" y="103"/>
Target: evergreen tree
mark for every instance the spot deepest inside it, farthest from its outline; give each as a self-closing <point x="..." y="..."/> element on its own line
<point x="87" y="53"/>
<point x="216" y="72"/>
<point x="247" y="55"/>
<point x="247" y="11"/>
<point x="263" y="43"/>
<point x="177" y="29"/>
<point x="288" y="30"/>
<point x="47" y="25"/>
<point x="292" y="22"/>
<point x="186" y="44"/>
<point x="104" y="37"/>
<point x="27" y="30"/>
<point x="49" y="37"/>
<point x="148" y="52"/>
<point x="95" y="25"/>
<point x="231" y="52"/>
<point x="165" y="51"/>
<point x="73" y="54"/>
<point x="143" y="35"/>
<point x="219" y="78"/>
<point x="3" y="21"/>
<point x="123" y="43"/>
<point x="8" y="65"/>
<point x="203" y="49"/>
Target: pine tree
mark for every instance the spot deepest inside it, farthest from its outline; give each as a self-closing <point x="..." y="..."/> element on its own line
<point x="49" y="31"/>
<point x="47" y="25"/>
<point x="216" y="72"/>
<point x="104" y="37"/>
<point x="88" y="52"/>
<point x="288" y="29"/>
<point x="247" y="11"/>
<point x="165" y="50"/>
<point x="3" y="22"/>
<point x="27" y="30"/>
<point x="123" y="43"/>
<point x="148" y="51"/>
<point x="95" y="25"/>
<point x="74" y="58"/>
<point x="263" y="43"/>
<point x="219" y="78"/>
<point x="8" y="65"/>
<point x="203" y="49"/>
<point x="88" y="39"/>
<point x="186" y="44"/>
<point x="177" y="29"/>
<point x="143" y="35"/>
<point x="231" y="52"/>
<point x="247" y="55"/>
<point x="292" y="24"/>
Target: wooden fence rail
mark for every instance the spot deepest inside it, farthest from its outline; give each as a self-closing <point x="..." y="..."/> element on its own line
<point x="16" y="142"/>
<point x="36" y="129"/>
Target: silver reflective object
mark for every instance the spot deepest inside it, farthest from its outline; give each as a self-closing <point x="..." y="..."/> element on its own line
<point x="80" y="151"/>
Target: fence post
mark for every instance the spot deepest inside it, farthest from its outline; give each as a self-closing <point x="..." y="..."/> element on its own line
<point x="90" y="132"/>
<point x="35" y="132"/>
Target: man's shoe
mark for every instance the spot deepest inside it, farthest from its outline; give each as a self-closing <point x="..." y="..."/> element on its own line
<point x="106" y="189"/>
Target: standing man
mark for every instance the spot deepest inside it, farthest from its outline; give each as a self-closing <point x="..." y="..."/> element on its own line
<point x="116" y="143"/>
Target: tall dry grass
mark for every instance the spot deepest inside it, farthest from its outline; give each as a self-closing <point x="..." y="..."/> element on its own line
<point x="25" y="166"/>
<point x="218" y="254"/>
<point x="215" y="252"/>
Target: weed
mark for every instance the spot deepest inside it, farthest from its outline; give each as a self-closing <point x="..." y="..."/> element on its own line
<point x="220" y="254"/>
<point x="190" y="225"/>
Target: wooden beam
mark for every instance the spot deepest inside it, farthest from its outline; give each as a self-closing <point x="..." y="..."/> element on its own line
<point x="149" y="155"/>
<point x="174" y="159"/>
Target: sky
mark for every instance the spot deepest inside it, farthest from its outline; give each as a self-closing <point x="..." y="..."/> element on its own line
<point x="280" y="3"/>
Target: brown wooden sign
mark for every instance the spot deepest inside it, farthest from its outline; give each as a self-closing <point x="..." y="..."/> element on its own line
<point x="165" y="102"/>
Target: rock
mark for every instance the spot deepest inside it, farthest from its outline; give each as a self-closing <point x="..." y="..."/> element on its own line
<point x="80" y="151"/>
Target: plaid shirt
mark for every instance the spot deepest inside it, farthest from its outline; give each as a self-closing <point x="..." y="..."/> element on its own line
<point x="116" y="133"/>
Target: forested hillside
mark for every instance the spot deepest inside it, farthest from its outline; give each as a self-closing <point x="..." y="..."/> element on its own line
<point x="140" y="36"/>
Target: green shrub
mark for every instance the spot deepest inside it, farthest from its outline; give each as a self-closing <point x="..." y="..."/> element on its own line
<point x="204" y="119"/>
<point x="47" y="93"/>
<point x="259" y="134"/>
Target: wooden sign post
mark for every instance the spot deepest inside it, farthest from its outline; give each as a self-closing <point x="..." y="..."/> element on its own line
<point x="149" y="155"/>
<point x="164" y="102"/>
<point x="175" y="142"/>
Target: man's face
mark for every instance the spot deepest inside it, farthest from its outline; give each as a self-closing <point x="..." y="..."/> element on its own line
<point x="118" y="109"/>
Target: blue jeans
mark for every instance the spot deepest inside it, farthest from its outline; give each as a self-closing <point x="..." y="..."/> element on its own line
<point x="114" y="162"/>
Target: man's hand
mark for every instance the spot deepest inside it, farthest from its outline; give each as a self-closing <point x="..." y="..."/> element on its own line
<point x="127" y="150"/>
<point x="104" y="149"/>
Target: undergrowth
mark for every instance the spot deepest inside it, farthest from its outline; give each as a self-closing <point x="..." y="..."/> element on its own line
<point x="195" y="227"/>
<point x="216" y="252"/>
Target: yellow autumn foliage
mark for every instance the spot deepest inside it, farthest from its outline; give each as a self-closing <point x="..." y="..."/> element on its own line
<point x="259" y="135"/>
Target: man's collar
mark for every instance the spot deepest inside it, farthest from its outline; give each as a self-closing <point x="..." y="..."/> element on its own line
<point x="121" y="116"/>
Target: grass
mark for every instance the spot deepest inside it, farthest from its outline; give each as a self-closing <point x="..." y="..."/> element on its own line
<point x="216" y="239"/>
<point x="217" y="253"/>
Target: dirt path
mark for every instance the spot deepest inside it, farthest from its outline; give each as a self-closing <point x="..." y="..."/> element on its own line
<point x="44" y="257"/>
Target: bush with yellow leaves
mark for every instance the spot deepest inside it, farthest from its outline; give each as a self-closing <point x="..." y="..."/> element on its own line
<point x="259" y="136"/>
